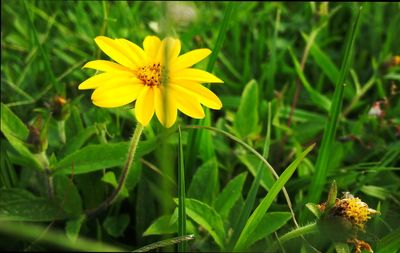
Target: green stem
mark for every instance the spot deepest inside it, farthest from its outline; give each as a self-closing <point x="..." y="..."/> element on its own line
<point x="121" y="182"/>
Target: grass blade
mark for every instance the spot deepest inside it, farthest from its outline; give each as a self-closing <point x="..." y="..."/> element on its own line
<point x="251" y="196"/>
<point x="319" y="179"/>
<point x="181" y="196"/>
<point x="56" y="238"/>
<point x="46" y="60"/>
<point x="262" y="208"/>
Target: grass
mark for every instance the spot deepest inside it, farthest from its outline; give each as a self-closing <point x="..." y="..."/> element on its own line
<point x="244" y="177"/>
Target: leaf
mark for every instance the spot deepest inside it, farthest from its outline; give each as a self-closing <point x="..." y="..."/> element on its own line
<point x="116" y="225"/>
<point x="20" y="205"/>
<point x="100" y="156"/>
<point x="269" y="224"/>
<point x="162" y="226"/>
<point x="73" y="227"/>
<point x="375" y="191"/>
<point x="68" y="195"/>
<point x="389" y="243"/>
<point x="256" y="217"/>
<point x="207" y="217"/>
<point x="317" y="98"/>
<point x="314" y="209"/>
<point x="229" y="195"/>
<point x="323" y="61"/>
<point x="198" y="189"/>
<point x="246" y="118"/>
<point x="77" y="141"/>
<point x="110" y="178"/>
<point x="12" y="124"/>
<point x="16" y="133"/>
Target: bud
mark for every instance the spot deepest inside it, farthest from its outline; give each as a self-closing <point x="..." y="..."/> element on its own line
<point x="60" y="108"/>
<point x="37" y="138"/>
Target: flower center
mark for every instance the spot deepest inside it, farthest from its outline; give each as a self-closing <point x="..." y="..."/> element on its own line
<point x="150" y="75"/>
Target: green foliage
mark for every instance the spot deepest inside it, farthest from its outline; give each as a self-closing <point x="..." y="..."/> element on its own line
<point x="290" y="80"/>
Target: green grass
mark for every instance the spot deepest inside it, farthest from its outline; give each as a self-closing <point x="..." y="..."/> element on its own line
<point x="241" y="179"/>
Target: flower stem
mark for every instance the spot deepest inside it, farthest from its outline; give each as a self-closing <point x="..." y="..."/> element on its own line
<point x="121" y="182"/>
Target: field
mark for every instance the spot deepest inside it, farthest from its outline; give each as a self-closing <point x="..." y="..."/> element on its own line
<point x="200" y="126"/>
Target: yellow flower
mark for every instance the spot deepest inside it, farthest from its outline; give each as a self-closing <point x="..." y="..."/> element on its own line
<point x="156" y="77"/>
<point x="354" y="210"/>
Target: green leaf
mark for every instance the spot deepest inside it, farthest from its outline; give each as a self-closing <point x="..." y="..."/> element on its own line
<point x="262" y="208"/>
<point x="389" y="243"/>
<point x="100" y="156"/>
<point x="12" y="124"/>
<point x="116" y="225"/>
<point x="269" y="224"/>
<point x="77" y="141"/>
<point x="229" y="195"/>
<point x="110" y="178"/>
<point x="317" y="98"/>
<point x="375" y="191"/>
<point x="323" y="61"/>
<point x="331" y="196"/>
<point x="246" y="118"/>
<point x="162" y="226"/>
<point x="252" y="163"/>
<point x="198" y="189"/>
<point x="207" y="217"/>
<point x="67" y="195"/>
<point x="326" y="150"/>
<point x="73" y="227"/>
<point x="20" y="205"/>
<point x="16" y="133"/>
<point x="314" y="209"/>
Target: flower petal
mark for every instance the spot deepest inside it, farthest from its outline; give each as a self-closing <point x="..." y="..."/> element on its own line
<point x="165" y="107"/>
<point x="194" y="75"/>
<point x="186" y="103"/>
<point x="151" y="45"/>
<point x="106" y="66"/>
<point x="115" y="51"/>
<point x="105" y="78"/>
<point x="190" y="58"/>
<point x="169" y="50"/>
<point x="134" y="52"/>
<point x="111" y="95"/>
<point x="204" y="95"/>
<point x="144" y="108"/>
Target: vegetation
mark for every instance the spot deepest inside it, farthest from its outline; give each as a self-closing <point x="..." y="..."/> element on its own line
<point x="311" y="110"/>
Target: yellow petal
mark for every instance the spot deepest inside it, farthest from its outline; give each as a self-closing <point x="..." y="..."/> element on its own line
<point x="104" y="78"/>
<point x="134" y="52"/>
<point x="186" y="103"/>
<point x="151" y="45"/>
<point x="106" y="66"/>
<point x="115" y="51"/>
<point x="204" y="95"/>
<point x="165" y="107"/>
<point x="115" y="96"/>
<point x="169" y="50"/>
<point x="190" y="58"/>
<point x="196" y="75"/>
<point x="144" y="108"/>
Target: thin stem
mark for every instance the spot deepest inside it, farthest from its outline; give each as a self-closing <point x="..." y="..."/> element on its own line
<point x="121" y="182"/>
